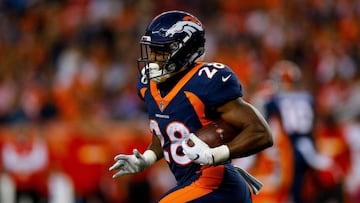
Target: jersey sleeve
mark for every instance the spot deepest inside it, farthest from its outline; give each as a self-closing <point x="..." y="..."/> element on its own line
<point x="223" y="87"/>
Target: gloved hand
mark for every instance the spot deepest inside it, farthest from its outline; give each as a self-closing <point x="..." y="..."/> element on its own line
<point x="134" y="163"/>
<point x="202" y="154"/>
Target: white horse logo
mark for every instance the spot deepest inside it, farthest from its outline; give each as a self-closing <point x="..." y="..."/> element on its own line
<point x="183" y="26"/>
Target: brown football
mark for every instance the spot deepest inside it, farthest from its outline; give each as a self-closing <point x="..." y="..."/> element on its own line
<point x="216" y="134"/>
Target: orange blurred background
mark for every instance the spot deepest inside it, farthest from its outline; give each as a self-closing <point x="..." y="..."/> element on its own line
<point x="68" y="103"/>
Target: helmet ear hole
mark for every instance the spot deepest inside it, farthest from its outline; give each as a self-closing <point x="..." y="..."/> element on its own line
<point x="174" y="46"/>
<point x="171" y="67"/>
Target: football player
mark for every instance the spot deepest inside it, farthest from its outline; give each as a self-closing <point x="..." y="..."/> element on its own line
<point x="293" y="107"/>
<point x="183" y="94"/>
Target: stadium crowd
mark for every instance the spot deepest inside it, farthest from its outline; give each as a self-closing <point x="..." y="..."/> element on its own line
<point x="68" y="102"/>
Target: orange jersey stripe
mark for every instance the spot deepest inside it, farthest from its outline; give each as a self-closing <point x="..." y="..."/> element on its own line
<point x="210" y="180"/>
<point x="163" y="102"/>
<point x="198" y="107"/>
<point x="142" y="92"/>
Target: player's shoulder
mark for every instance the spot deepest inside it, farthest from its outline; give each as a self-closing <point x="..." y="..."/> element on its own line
<point x="221" y="67"/>
<point x="142" y="85"/>
<point x="215" y="71"/>
<point x="215" y="83"/>
<point x="142" y="81"/>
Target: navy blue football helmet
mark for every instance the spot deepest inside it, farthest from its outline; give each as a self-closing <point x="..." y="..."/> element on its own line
<point x="178" y="37"/>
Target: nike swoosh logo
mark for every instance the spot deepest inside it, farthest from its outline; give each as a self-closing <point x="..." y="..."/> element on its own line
<point x="224" y="79"/>
<point x="197" y="157"/>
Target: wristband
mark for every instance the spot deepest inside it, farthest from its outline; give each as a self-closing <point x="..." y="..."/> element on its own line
<point x="150" y="157"/>
<point x="220" y="154"/>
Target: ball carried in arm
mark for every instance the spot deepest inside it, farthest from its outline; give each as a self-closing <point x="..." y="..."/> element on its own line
<point x="217" y="133"/>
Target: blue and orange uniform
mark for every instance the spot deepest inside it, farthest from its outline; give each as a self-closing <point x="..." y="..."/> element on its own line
<point x="184" y="107"/>
<point x="296" y="112"/>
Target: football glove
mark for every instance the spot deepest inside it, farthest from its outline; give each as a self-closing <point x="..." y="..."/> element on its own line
<point x="202" y="154"/>
<point x="134" y="163"/>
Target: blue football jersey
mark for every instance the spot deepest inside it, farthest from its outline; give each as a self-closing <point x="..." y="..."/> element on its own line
<point x="296" y="110"/>
<point x="182" y="111"/>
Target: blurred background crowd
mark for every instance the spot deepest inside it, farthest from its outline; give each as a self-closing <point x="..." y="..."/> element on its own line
<point x="68" y="102"/>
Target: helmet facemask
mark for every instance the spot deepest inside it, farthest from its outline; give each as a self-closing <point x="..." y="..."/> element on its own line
<point x="155" y="61"/>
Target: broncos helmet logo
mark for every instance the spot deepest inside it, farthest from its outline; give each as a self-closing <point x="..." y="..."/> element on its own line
<point x="183" y="26"/>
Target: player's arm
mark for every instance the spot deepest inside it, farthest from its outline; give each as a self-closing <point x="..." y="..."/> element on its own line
<point x="255" y="134"/>
<point x="137" y="162"/>
<point x="155" y="146"/>
<point x="253" y="137"/>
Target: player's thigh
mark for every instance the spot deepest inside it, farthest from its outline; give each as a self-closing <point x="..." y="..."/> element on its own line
<point x="233" y="189"/>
